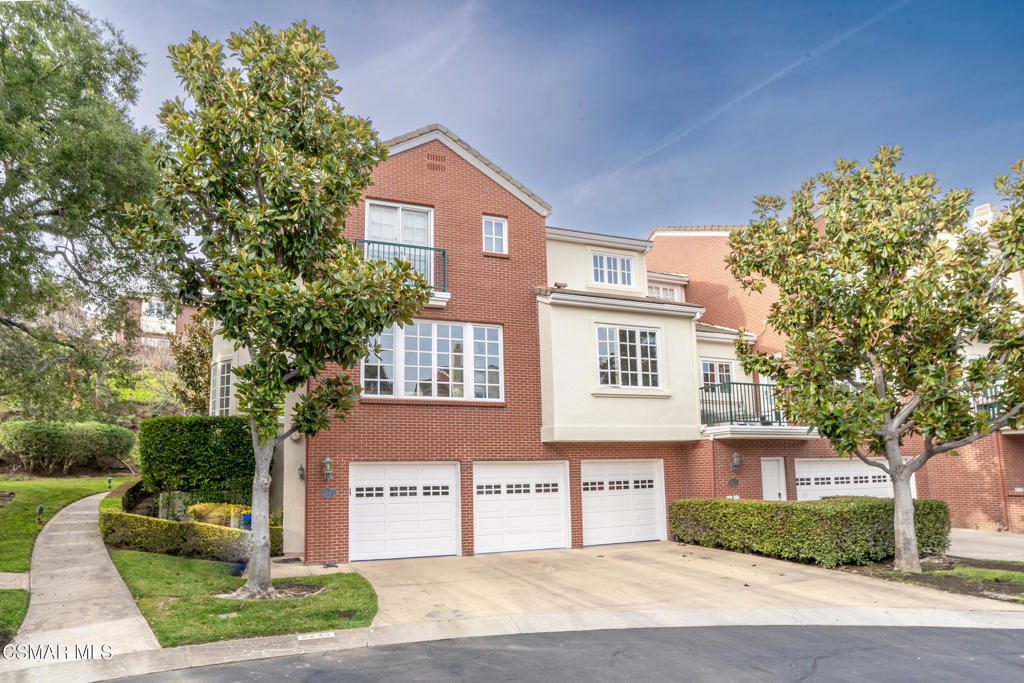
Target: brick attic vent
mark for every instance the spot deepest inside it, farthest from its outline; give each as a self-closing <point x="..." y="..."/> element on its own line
<point x="435" y="162"/>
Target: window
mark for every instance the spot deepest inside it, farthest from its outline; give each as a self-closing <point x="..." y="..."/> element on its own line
<point x="495" y="240"/>
<point x="428" y="359"/>
<point x="488" y="489"/>
<point x="662" y="292"/>
<point x="546" y="488"/>
<point x="612" y="269"/>
<point x="395" y="224"/>
<point x="643" y="483"/>
<point x="715" y="372"/>
<point x="220" y="388"/>
<point x="627" y="357"/>
<point x="593" y="486"/>
<point x="156" y="310"/>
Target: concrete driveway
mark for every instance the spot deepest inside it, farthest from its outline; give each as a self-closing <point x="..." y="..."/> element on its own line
<point x="628" y="577"/>
<point x="986" y="545"/>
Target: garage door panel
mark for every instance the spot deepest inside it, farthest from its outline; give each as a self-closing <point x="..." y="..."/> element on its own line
<point x="519" y="506"/>
<point x="818" y="478"/>
<point x="622" y="501"/>
<point x="399" y="510"/>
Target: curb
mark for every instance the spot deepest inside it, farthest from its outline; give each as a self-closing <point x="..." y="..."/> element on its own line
<point x="230" y="651"/>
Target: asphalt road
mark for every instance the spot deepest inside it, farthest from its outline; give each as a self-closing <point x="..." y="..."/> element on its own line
<point x="728" y="653"/>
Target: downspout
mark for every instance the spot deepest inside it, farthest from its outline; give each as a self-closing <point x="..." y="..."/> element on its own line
<point x="714" y="475"/>
<point x="1002" y="481"/>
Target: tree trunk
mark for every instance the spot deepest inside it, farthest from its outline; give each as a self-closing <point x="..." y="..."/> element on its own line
<point x="257" y="584"/>
<point x="907" y="559"/>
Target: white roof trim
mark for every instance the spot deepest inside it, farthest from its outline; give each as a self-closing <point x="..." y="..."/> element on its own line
<point x="411" y="143"/>
<point x="760" y="432"/>
<point x="667" y="278"/>
<point x="592" y="238"/>
<point x="587" y="301"/>
<point x="694" y="233"/>
<point x="749" y="337"/>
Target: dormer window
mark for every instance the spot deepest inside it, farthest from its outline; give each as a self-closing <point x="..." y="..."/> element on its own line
<point x="613" y="269"/>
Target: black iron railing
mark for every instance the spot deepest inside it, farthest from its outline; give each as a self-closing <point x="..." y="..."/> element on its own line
<point x="429" y="262"/>
<point x="740" y="403"/>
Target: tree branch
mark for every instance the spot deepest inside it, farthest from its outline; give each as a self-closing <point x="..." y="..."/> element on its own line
<point x="873" y="463"/>
<point x="15" y="325"/>
<point x="904" y="413"/>
<point x="996" y="425"/>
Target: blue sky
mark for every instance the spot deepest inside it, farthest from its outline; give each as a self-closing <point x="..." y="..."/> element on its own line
<point x="627" y="115"/>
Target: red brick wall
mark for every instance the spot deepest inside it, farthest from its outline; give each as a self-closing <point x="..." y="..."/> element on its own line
<point x="484" y="289"/>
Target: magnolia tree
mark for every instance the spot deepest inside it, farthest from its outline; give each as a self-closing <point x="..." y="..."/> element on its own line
<point x="260" y="169"/>
<point x="904" y="338"/>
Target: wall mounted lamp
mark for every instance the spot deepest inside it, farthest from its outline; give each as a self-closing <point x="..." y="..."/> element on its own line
<point x="735" y="462"/>
<point x="302" y="473"/>
<point x="328" y="464"/>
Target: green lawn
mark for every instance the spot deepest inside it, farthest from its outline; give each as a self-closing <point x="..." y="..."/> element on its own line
<point x="174" y="594"/>
<point x="1012" y="574"/>
<point x="13" y="604"/>
<point x="18" y="526"/>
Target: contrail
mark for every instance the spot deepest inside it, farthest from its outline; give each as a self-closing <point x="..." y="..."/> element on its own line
<point x="713" y="114"/>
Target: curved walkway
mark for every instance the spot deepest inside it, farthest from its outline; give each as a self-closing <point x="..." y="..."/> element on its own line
<point x="78" y="599"/>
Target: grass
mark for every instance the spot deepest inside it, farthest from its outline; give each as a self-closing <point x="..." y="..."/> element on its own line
<point x="1000" y="579"/>
<point x="18" y="526"/>
<point x="983" y="574"/>
<point x="13" y="605"/>
<point x="175" y="596"/>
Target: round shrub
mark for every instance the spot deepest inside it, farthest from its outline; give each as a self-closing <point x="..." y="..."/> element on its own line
<point x="54" y="447"/>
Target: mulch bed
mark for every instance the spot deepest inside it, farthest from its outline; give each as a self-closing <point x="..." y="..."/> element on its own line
<point x="1008" y="591"/>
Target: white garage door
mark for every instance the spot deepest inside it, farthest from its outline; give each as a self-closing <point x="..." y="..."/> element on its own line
<point x="520" y="506"/>
<point x="623" y="501"/>
<point x="403" y="510"/>
<point x="817" y="478"/>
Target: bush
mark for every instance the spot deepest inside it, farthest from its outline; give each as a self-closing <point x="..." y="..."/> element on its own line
<point x="209" y="456"/>
<point x="191" y="539"/>
<point x="54" y="447"/>
<point x="854" y="530"/>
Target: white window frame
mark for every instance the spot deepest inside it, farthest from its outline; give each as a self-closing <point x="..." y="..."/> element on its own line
<point x="220" y="391"/>
<point x="468" y="357"/>
<point x="658" y="357"/>
<point x="165" y="313"/>
<point x="666" y="292"/>
<point x="397" y="205"/>
<point x="606" y="273"/>
<point x="500" y="220"/>
<point x="718" y="362"/>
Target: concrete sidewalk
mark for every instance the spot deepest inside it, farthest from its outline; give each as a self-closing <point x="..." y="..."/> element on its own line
<point x="986" y="545"/>
<point x="13" y="580"/>
<point x="78" y="598"/>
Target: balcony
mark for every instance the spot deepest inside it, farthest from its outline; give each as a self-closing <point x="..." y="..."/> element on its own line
<point x="430" y="262"/>
<point x="746" y="410"/>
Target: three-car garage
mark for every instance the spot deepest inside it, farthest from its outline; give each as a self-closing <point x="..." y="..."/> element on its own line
<point x="414" y="509"/>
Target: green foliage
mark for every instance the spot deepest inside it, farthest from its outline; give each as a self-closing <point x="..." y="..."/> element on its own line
<point x="216" y="513"/>
<point x="125" y="496"/>
<point x="51" y="447"/>
<point x="13" y="606"/>
<point x="264" y="169"/>
<point x="175" y="595"/>
<point x="18" y="526"/>
<point x="827" y="532"/>
<point x="192" y="539"/>
<point x="191" y="350"/>
<point x="210" y="457"/>
<point x="70" y="158"/>
<point x="880" y="305"/>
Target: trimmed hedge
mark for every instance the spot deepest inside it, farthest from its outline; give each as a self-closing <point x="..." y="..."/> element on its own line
<point x="54" y="447"/>
<point x="829" y="532"/>
<point x="191" y="539"/>
<point x="209" y="456"/>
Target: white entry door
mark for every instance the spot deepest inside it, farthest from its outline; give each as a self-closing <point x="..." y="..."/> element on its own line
<point x="773" y="479"/>
<point x="623" y="501"/>
<point x="403" y="510"/>
<point x="520" y="506"/>
<point x="820" y="477"/>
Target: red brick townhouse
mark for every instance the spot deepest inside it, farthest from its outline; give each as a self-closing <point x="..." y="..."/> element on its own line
<point x="984" y="485"/>
<point x="554" y="393"/>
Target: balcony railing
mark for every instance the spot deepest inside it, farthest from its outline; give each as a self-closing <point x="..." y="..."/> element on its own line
<point x="989" y="403"/>
<point x="429" y="262"/>
<point x="740" y="403"/>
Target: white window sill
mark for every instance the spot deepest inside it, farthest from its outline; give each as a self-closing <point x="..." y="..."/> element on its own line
<point x="604" y="392"/>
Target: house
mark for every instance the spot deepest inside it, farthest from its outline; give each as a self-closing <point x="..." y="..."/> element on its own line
<point x="560" y="389"/>
<point x="984" y="485"/>
<point x="157" y="323"/>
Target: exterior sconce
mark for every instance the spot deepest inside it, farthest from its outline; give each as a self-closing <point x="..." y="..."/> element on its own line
<point x="735" y="462"/>
<point x="302" y="473"/>
<point x="328" y="464"/>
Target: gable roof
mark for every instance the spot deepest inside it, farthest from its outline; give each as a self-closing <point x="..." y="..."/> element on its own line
<point x="436" y="131"/>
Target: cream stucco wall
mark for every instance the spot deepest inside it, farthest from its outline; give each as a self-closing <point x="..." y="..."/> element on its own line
<point x="571" y="263"/>
<point x="576" y="408"/>
<point x="720" y="349"/>
<point x="287" y="491"/>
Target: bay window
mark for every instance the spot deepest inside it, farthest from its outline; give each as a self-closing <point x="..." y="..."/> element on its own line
<point x="431" y="359"/>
